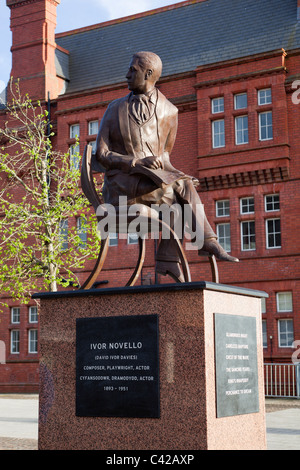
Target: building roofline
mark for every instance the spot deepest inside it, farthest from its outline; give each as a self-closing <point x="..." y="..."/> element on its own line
<point x="128" y="18"/>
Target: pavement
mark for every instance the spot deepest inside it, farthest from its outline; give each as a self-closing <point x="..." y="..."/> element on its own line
<point x="283" y="424"/>
<point x="19" y="423"/>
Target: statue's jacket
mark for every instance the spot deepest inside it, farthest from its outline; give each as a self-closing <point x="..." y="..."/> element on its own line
<point x="121" y="141"/>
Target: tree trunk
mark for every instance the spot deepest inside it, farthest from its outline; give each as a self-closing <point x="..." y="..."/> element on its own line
<point x="52" y="269"/>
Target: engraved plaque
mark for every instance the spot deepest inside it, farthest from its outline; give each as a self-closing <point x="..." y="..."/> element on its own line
<point x="236" y="365"/>
<point x="117" y="366"/>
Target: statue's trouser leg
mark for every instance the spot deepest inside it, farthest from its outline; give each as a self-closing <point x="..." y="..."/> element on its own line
<point x="184" y="194"/>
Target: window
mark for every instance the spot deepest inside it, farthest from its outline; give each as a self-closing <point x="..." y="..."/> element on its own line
<point x="264" y="334"/>
<point x="273" y="233"/>
<point x="265" y="96"/>
<point x="93" y="127"/>
<point x="263" y="305"/>
<point x="93" y="144"/>
<point x="15" y="315"/>
<point x="247" y="205"/>
<point x="241" y="130"/>
<point x="218" y="133"/>
<point x="82" y="231"/>
<point x="284" y="302"/>
<point x="15" y="341"/>
<point x="74" y="157"/>
<point x="132" y="238"/>
<point x="265" y="126"/>
<point x="240" y="101"/>
<point x="217" y="105"/>
<point x="113" y="239"/>
<point x="222" y="208"/>
<point x="33" y="314"/>
<point x="272" y="203"/>
<point x="248" y="235"/>
<point x="223" y="232"/>
<point x="63" y="234"/>
<point x="74" y="131"/>
<point x="33" y="341"/>
<point x="285" y="333"/>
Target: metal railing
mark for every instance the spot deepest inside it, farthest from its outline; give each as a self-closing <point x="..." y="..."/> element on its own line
<point x="282" y="380"/>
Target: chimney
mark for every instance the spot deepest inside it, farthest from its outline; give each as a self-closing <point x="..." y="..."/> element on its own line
<point x="33" y="26"/>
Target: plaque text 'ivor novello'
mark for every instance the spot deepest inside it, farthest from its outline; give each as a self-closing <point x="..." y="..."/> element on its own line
<point x="125" y="345"/>
<point x="117" y="366"/>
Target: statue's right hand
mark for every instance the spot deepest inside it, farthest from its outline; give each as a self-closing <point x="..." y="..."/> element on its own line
<point x="150" y="162"/>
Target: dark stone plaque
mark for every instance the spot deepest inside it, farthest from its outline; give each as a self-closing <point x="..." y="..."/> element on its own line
<point x="117" y="366"/>
<point x="236" y="365"/>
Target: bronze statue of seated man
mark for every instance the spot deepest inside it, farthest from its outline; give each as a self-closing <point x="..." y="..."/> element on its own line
<point x="138" y="132"/>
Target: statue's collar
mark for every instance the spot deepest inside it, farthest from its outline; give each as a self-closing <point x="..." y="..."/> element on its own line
<point x="151" y="96"/>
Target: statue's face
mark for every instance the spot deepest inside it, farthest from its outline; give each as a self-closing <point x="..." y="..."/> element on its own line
<point x="136" y="77"/>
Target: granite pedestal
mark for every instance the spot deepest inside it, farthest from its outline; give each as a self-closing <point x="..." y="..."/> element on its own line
<point x="198" y="399"/>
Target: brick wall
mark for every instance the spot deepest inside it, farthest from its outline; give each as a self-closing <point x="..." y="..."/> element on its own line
<point x="231" y="172"/>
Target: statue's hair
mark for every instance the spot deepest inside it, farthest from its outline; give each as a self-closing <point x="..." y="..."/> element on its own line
<point x="150" y="60"/>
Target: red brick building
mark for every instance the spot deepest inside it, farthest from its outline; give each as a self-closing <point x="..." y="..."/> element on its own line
<point x="233" y="71"/>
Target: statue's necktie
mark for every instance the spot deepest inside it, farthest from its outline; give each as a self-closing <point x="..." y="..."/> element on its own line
<point x="140" y="108"/>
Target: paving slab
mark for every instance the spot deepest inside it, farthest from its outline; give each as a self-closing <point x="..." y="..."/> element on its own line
<point x="19" y="423"/>
<point x="283" y="429"/>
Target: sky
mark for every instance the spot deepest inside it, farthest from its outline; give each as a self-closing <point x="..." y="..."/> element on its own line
<point x="72" y="14"/>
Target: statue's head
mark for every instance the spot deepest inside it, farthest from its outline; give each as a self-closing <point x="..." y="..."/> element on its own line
<point x="144" y="71"/>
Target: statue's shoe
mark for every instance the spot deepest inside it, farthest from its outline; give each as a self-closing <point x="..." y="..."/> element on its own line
<point x="170" y="268"/>
<point x="212" y="247"/>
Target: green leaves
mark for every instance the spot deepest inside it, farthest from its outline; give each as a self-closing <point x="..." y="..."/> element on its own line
<point x="39" y="188"/>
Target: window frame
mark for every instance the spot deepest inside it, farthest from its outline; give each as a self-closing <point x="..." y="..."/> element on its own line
<point x="259" y="96"/>
<point x="64" y="234"/>
<point x="90" y="126"/>
<point x="223" y="208"/>
<point x="113" y="239"/>
<point x="33" y="341"/>
<point x="13" y="320"/>
<point x="278" y="294"/>
<point x="131" y="239"/>
<point x="74" y="159"/>
<point x="286" y="333"/>
<point x="15" y="341"/>
<point x="274" y="233"/>
<point x="243" y="222"/>
<point x="247" y="198"/>
<point x="93" y="143"/>
<point x="235" y="101"/>
<point x="264" y="333"/>
<point x="217" y="99"/>
<point x="72" y="134"/>
<point x="82" y="231"/>
<point x="223" y="239"/>
<point x="273" y="202"/>
<point x="218" y="135"/>
<point x="242" y="131"/>
<point x="266" y="126"/>
<point x="32" y="315"/>
<point x="263" y="305"/>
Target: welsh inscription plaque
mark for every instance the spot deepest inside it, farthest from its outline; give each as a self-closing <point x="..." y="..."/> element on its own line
<point x="236" y="365"/>
<point x="117" y="366"/>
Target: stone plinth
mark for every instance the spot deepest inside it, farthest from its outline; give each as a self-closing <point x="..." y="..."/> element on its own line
<point x="187" y="370"/>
